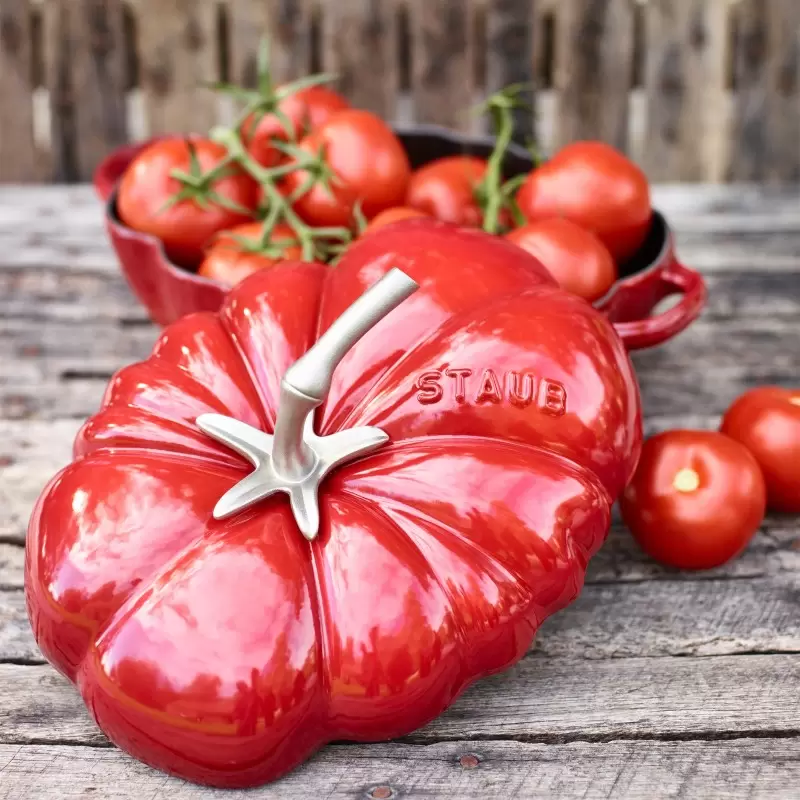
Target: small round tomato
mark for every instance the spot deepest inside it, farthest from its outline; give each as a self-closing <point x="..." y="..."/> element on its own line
<point x="767" y="422"/>
<point x="696" y="499"/>
<point x="369" y="166"/>
<point x="306" y="110"/>
<point x="228" y="262"/>
<point x="576" y="258"/>
<point x="445" y="189"/>
<point x="185" y="227"/>
<point x="596" y="187"/>
<point x="391" y="215"/>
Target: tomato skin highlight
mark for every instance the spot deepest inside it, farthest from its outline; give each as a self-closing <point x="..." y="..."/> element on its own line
<point x="228" y="264"/>
<point x="391" y="215"/>
<point x="575" y="257"/>
<point x="596" y="187"/>
<point x="369" y="163"/>
<point x="696" y="499"/>
<point x="445" y="189"/>
<point x="766" y="421"/>
<point x="184" y="228"/>
<point x="307" y="109"/>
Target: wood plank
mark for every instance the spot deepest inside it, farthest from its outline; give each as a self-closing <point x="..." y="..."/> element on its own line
<point x="12" y="565"/>
<point x="510" y="56"/>
<point x="178" y="53"/>
<point x="285" y="22"/>
<point x="685" y="82"/>
<point x="359" y="44"/>
<point x="752" y="769"/>
<point x="766" y="128"/>
<point x="594" y="49"/>
<point x="683" y="617"/>
<point x="539" y="699"/>
<point x="19" y="156"/>
<point x="86" y="65"/>
<point x="442" y="66"/>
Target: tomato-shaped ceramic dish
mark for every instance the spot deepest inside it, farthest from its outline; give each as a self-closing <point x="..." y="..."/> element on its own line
<point x="321" y="512"/>
<point x="653" y="273"/>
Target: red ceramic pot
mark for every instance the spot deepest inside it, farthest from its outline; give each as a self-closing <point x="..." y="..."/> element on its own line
<point x="168" y="291"/>
<point x="224" y="640"/>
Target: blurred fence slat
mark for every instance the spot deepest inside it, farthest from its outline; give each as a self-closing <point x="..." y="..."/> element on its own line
<point x="85" y="75"/>
<point x="441" y="58"/>
<point x="509" y="56"/>
<point x="288" y="25"/>
<point x="685" y="83"/>
<point x="594" y="48"/>
<point x="18" y="156"/>
<point x="766" y="126"/>
<point x="178" y="52"/>
<point x="360" y="44"/>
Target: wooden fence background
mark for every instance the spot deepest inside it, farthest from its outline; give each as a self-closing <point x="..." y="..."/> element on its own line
<point x="692" y="89"/>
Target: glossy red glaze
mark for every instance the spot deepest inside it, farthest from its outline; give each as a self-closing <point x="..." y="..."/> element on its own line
<point x="228" y="651"/>
<point x="169" y="292"/>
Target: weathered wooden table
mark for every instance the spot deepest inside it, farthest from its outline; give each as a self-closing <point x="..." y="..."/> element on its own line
<point x="653" y="684"/>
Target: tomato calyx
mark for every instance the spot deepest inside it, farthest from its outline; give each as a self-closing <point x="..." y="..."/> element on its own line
<point x="493" y="194"/>
<point x="197" y="186"/>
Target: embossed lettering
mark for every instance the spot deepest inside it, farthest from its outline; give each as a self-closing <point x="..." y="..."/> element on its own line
<point x="430" y="390"/>
<point x="520" y="397"/>
<point x="489" y="391"/>
<point x="553" y="398"/>
<point x="459" y="375"/>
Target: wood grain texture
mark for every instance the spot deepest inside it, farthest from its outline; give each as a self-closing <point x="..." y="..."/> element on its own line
<point x="766" y="127"/>
<point x="285" y="22"/>
<point x="442" y="66"/>
<point x="85" y="74"/>
<point x="359" y="45"/>
<point x="12" y="562"/>
<point x="685" y="82"/>
<point x="510" y="56"/>
<point x="178" y="54"/>
<point x="539" y="699"/>
<point x="19" y="159"/>
<point x="593" y="47"/>
<point x="466" y="770"/>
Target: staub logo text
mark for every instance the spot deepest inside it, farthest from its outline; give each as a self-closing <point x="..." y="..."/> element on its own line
<point x="519" y="388"/>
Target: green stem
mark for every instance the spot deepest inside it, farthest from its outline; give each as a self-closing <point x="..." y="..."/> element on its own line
<point x="491" y="185"/>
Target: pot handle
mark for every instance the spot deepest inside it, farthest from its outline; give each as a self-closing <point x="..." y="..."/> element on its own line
<point x="673" y="278"/>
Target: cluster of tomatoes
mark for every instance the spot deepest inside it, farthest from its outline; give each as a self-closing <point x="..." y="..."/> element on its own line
<point x="698" y="497"/>
<point x="303" y="173"/>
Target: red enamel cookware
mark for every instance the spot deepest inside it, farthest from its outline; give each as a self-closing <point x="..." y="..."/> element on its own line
<point x="322" y="511"/>
<point x="653" y="273"/>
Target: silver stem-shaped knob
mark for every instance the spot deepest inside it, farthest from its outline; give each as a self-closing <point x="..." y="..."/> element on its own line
<point x="295" y="459"/>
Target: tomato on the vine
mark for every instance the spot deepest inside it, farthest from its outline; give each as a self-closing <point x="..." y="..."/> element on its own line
<point x="767" y="422"/>
<point x="696" y="499"/>
<point x="596" y="187"/>
<point x="228" y="261"/>
<point x="184" y="214"/>
<point x="445" y="189"/>
<point x="305" y="109"/>
<point x="391" y="215"/>
<point x="366" y="163"/>
<point x="575" y="257"/>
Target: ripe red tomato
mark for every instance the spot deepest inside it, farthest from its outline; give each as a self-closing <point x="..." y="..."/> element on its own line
<point x="186" y="226"/>
<point x="595" y="186"/>
<point x="576" y="258"/>
<point x="228" y="263"/>
<point x="696" y="499"/>
<point x="369" y="165"/>
<point x="767" y="422"/>
<point x="445" y="189"/>
<point x="306" y="110"/>
<point x="391" y="215"/>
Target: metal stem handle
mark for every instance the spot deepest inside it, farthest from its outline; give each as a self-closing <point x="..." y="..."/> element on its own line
<point x="307" y="382"/>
